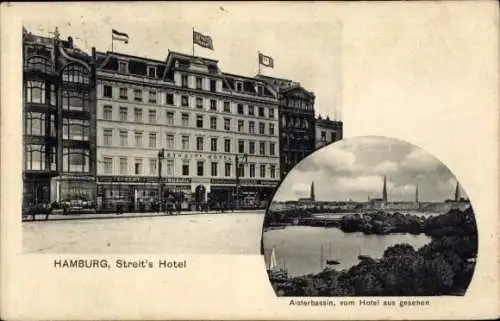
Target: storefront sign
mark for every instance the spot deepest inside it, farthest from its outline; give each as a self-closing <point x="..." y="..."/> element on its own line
<point x="138" y="179"/>
<point x="244" y="182"/>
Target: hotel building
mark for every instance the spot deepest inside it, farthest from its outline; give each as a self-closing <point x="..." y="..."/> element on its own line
<point x="203" y="119"/>
<point x="58" y="122"/>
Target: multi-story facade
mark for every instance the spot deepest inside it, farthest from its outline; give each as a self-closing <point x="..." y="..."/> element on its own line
<point x="328" y="131"/>
<point x="203" y="119"/>
<point x="296" y="114"/>
<point x="58" y="109"/>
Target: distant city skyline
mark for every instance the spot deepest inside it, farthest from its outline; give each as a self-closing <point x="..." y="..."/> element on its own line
<point x="354" y="169"/>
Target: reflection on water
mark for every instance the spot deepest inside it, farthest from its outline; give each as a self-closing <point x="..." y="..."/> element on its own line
<point x="299" y="247"/>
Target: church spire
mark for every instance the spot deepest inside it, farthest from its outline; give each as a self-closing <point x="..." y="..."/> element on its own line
<point x="384" y="191"/>
<point x="416" y="194"/>
<point x="457" y="193"/>
<point x="313" y="197"/>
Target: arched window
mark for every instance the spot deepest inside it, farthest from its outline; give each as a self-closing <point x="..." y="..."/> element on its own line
<point x="35" y="124"/>
<point x="76" y="73"/>
<point x="75" y="129"/>
<point x="76" y="160"/>
<point x="35" y="157"/>
<point x="35" y="92"/>
<point x="39" y="63"/>
<point x="73" y="100"/>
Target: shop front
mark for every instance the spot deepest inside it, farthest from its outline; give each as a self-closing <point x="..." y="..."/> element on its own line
<point x="76" y="192"/>
<point x="253" y="194"/>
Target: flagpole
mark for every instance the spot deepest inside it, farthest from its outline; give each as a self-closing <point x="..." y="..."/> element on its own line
<point x="193" y="41"/>
<point x="258" y="61"/>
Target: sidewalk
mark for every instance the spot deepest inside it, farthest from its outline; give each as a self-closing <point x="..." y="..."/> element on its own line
<point x="98" y="216"/>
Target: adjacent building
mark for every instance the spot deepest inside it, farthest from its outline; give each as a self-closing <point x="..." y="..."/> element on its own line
<point x="58" y="122"/>
<point x="202" y="119"/>
<point x="297" y="122"/>
<point x="327" y="131"/>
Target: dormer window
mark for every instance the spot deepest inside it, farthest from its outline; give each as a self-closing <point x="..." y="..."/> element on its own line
<point x="260" y="90"/>
<point x="239" y="86"/>
<point x="152" y="72"/>
<point x="123" y="67"/>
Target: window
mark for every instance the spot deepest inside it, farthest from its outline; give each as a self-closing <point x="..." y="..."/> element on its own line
<point x="35" y="157"/>
<point x="73" y="100"/>
<point x="138" y="166"/>
<point x="184" y="81"/>
<point x="227" y="145"/>
<point x="199" y="121"/>
<point x="241" y="170"/>
<point x="214" y="168"/>
<point x="199" y="102"/>
<point x="227" y="169"/>
<point x="271" y="129"/>
<point x="108" y="91"/>
<point x="199" y="143"/>
<point x="185" y="168"/>
<point x="227" y="123"/>
<point x="251" y="147"/>
<point x="123" y="93"/>
<point x="123" y="166"/>
<point x="262" y="170"/>
<point x="252" y="170"/>
<point x="107" y="113"/>
<point x="170" y="141"/>
<point x="152" y="97"/>
<point x="323" y="136"/>
<point x="251" y="127"/>
<point x="184" y="101"/>
<point x="76" y="73"/>
<point x="261" y="111"/>
<point x="35" y="92"/>
<point x="213" y="104"/>
<point x="76" y="160"/>
<point x="108" y="165"/>
<point x="213" y="144"/>
<point x="170" y="99"/>
<point x="251" y="110"/>
<point x="185" y="120"/>
<point x="271" y="149"/>
<point x="39" y="63"/>
<point x="273" y="171"/>
<point x="262" y="148"/>
<point x="138" y="139"/>
<point x="240" y="109"/>
<point x="170" y="167"/>
<point x="123" y="113"/>
<point x="241" y="124"/>
<point x="239" y="86"/>
<point x="199" y="168"/>
<point x="153" y="170"/>
<point x="123" y="138"/>
<point x="213" y="85"/>
<point x="152" y="140"/>
<point x="199" y="83"/>
<point x="122" y="67"/>
<point x="241" y="146"/>
<point x="260" y="90"/>
<point x="52" y="125"/>
<point x="227" y="107"/>
<point x="35" y="124"/>
<point x="213" y="122"/>
<point x="185" y="142"/>
<point x="170" y="118"/>
<point x="152" y="72"/>
<point x="333" y="136"/>
<point x="138" y="115"/>
<point x="53" y="95"/>
<point x="137" y="95"/>
<point x="108" y="137"/>
<point x="78" y="129"/>
<point x="152" y="116"/>
<point x="262" y="128"/>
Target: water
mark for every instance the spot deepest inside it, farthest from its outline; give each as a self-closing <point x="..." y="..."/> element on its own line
<point x="339" y="215"/>
<point x="229" y="233"/>
<point x="299" y="247"/>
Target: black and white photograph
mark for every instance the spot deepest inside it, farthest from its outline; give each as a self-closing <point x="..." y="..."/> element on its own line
<point x="370" y="216"/>
<point x="139" y="139"/>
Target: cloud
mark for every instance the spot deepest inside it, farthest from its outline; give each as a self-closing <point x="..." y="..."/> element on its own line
<point x="359" y="184"/>
<point x="419" y="160"/>
<point x="386" y="168"/>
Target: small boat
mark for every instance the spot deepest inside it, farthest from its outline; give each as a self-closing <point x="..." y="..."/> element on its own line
<point x="275" y="272"/>
<point x="363" y="257"/>
<point x="332" y="262"/>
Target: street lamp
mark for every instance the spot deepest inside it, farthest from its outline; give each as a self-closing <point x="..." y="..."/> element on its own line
<point x="161" y="156"/>
<point x="239" y="159"/>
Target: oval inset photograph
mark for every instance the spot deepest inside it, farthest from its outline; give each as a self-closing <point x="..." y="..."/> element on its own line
<point x="370" y="216"/>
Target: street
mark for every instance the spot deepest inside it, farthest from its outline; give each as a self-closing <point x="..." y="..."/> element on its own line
<point x="227" y="233"/>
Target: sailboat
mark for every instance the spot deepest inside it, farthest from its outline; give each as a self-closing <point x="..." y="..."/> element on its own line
<point x="329" y="262"/>
<point x="275" y="272"/>
<point x="273" y="263"/>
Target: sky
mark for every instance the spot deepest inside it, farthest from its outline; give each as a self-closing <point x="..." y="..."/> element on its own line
<point x="304" y="50"/>
<point x="354" y="169"/>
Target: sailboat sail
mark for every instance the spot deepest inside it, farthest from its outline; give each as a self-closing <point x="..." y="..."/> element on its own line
<point x="272" y="262"/>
